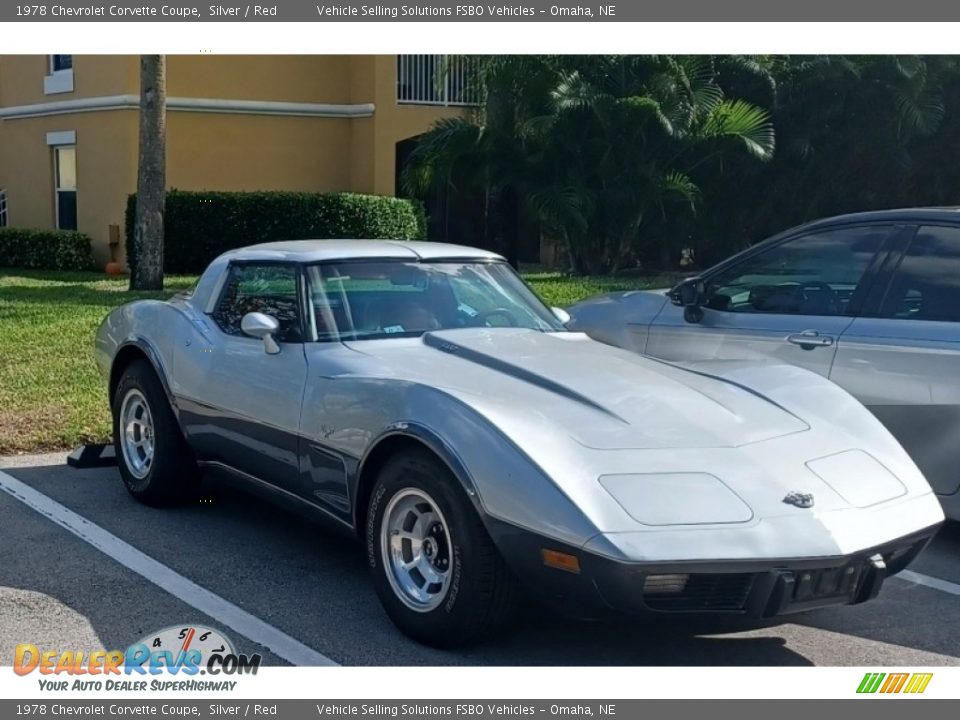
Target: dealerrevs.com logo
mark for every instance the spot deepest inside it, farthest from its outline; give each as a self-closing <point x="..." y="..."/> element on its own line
<point x="889" y="683"/>
<point x="174" y="651"/>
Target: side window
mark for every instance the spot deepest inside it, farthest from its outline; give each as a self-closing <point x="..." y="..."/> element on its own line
<point x="814" y="274"/>
<point x="268" y="289"/>
<point x="926" y="286"/>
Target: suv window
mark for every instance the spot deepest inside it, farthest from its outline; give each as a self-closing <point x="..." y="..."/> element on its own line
<point x="926" y="286"/>
<point x="814" y="274"/>
<point x="268" y="289"/>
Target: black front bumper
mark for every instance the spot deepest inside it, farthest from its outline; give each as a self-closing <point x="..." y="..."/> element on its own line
<point x="757" y="588"/>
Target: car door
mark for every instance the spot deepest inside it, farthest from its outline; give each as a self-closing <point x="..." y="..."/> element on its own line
<point x="902" y="357"/>
<point x="240" y="406"/>
<point x="788" y="302"/>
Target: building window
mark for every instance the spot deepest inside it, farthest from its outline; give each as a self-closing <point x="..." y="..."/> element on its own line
<point x="65" y="181"/>
<point x="61" y="62"/>
<point x="436" y="80"/>
<point x="3" y="207"/>
<point x="59" y="78"/>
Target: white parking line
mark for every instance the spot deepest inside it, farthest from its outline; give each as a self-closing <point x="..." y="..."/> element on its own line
<point x="223" y="611"/>
<point x="930" y="582"/>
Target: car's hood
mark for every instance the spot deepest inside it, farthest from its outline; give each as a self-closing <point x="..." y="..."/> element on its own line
<point x="637" y="444"/>
<point x="605" y="398"/>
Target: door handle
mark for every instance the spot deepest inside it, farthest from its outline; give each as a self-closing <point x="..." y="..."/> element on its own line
<point x="809" y="339"/>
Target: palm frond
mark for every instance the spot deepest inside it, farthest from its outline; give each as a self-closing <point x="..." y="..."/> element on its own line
<point x="448" y="142"/>
<point x="643" y="109"/>
<point x="678" y="185"/>
<point x="562" y="206"/>
<point x="920" y="115"/>
<point x="745" y="122"/>
<point x="573" y="92"/>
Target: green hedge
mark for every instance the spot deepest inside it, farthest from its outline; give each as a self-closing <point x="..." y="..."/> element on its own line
<point x="45" y="249"/>
<point x="198" y="226"/>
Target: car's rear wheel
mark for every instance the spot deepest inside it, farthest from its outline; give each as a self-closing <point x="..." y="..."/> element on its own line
<point x="437" y="572"/>
<point x="155" y="462"/>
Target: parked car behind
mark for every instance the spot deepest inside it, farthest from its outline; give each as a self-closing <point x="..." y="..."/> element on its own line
<point x="870" y="300"/>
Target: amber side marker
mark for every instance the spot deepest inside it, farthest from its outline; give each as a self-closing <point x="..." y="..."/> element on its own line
<point x="560" y="561"/>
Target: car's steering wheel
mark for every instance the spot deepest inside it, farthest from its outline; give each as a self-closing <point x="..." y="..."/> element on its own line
<point x="833" y="299"/>
<point x="482" y="316"/>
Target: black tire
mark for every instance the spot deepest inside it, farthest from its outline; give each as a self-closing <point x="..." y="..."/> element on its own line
<point x="173" y="476"/>
<point x="482" y="591"/>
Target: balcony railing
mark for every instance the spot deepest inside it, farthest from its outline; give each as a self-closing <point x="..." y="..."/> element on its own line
<point x="436" y="80"/>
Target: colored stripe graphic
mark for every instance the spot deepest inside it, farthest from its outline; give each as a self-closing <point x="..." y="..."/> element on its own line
<point x="894" y="683"/>
<point x="918" y="683"/>
<point x="870" y="682"/>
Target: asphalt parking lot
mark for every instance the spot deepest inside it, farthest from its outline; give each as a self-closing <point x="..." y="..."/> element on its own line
<point x="269" y="569"/>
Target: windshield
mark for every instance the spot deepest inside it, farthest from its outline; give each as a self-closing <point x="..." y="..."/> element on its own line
<point x="364" y="300"/>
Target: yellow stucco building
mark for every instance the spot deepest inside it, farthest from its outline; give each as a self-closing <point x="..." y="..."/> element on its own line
<point x="69" y="125"/>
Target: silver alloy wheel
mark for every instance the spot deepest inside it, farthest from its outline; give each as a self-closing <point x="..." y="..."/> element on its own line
<point x="136" y="433"/>
<point x="416" y="549"/>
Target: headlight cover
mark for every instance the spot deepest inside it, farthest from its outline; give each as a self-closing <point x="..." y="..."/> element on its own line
<point x="659" y="499"/>
<point x="858" y="478"/>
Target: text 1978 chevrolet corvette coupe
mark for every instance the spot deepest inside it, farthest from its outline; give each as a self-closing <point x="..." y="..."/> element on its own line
<point x="420" y="396"/>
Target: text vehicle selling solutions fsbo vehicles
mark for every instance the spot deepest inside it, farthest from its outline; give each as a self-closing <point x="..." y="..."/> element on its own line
<point x="421" y="397"/>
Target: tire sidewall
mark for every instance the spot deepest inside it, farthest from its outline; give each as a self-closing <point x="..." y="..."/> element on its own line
<point x="414" y="470"/>
<point x="156" y="485"/>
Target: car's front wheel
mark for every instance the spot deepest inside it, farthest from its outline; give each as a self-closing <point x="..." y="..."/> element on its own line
<point x="155" y="462"/>
<point x="437" y="572"/>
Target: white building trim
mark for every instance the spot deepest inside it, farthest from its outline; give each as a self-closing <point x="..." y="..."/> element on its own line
<point x="63" y="137"/>
<point x="182" y="104"/>
<point x="58" y="81"/>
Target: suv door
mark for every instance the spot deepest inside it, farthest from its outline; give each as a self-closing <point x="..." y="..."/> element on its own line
<point x="240" y="406"/>
<point x="788" y="302"/>
<point x="902" y="358"/>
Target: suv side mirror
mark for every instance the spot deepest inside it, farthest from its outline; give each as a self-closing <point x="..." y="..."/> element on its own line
<point x="560" y="314"/>
<point x="263" y="326"/>
<point x="689" y="295"/>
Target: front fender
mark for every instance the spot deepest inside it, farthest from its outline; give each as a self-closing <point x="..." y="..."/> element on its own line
<point x="501" y="480"/>
<point x="431" y="440"/>
<point x="135" y="329"/>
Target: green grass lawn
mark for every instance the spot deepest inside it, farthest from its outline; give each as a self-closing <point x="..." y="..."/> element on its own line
<point x="51" y="395"/>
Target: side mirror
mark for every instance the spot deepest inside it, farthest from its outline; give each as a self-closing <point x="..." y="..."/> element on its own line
<point x="689" y="294"/>
<point x="260" y="325"/>
<point x="560" y="314"/>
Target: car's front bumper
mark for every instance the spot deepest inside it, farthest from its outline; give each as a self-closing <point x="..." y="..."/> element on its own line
<point x="951" y="505"/>
<point x="757" y="588"/>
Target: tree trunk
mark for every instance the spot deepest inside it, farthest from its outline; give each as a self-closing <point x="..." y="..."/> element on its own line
<point x="666" y="255"/>
<point x="510" y="226"/>
<point x="147" y="268"/>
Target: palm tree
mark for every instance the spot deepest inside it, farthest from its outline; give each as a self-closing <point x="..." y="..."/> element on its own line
<point x="620" y="146"/>
<point x="600" y="149"/>
<point x="147" y="269"/>
<point x="484" y="152"/>
<point x="856" y="133"/>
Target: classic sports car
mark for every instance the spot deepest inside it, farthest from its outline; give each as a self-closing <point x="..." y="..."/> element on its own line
<point x="420" y="396"/>
<point x="869" y="300"/>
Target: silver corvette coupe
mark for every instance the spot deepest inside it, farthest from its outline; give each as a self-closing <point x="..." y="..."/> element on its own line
<point x="422" y="398"/>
